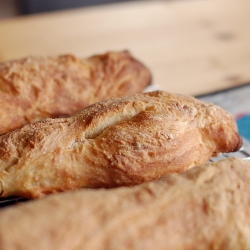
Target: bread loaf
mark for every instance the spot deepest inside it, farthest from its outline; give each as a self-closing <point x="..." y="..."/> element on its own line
<point x="36" y="88"/>
<point x="203" y="208"/>
<point x="119" y="142"/>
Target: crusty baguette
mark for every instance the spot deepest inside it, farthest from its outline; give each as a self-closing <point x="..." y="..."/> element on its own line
<point x="203" y="208"/>
<point x="123" y="141"/>
<point x="36" y="88"/>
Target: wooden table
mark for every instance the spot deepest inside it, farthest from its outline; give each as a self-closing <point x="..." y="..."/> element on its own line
<point x="191" y="46"/>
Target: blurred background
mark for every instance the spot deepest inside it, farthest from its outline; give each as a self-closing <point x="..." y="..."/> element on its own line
<point x="190" y="46"/>
<point x="11" y="8"/>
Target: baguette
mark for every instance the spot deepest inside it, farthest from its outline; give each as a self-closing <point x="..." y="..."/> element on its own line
<point x="119" y="142"/>
<point x="35" y="88"/>
<point x="203" y="208"/>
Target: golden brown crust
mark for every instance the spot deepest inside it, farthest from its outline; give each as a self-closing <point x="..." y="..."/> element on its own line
<point x="123" y="141"/>
<point x="36" y="88"/>
<point x="203" y="208"/>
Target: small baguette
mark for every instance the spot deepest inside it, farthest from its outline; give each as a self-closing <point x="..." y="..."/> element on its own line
<point x="35" y="88"/>
<point x="203" y="208"/>
<point x="119" y="142"/>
